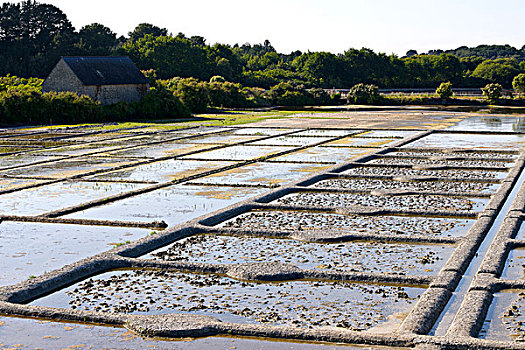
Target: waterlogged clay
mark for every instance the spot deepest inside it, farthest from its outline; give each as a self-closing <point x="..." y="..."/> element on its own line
<point x="166" y="149"/>
<point x="402" y="202"/>
<point x="367" y="225"/>
<point x="370" y="257"/>
<point x="394" y="171"/>
<point x="361" y="142"/>
<point x="436" y="186"/>
<point x="292" y="140"/>
<point x="296" y="303"/>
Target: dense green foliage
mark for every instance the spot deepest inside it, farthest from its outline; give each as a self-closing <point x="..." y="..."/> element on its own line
<point x="362" y="94"/>
<point x="444" y="90"/>
<point x="33" y="36"/>
<point x="492" y="92"/>
<point x="518" y="83"/>
<point x="21" y="102"/>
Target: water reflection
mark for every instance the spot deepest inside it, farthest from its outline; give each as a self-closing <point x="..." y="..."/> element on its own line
<point x="492" y="123"/>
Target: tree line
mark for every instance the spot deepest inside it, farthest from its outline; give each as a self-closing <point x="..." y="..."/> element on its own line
<point x="33" y="36"/>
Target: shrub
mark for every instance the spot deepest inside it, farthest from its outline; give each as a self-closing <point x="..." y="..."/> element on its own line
<point x="226" y="94"/>
<point x="518" y="83"/>
<point x="289" y="94"/>
<point x="192" y="93"/>
<point x="445" y="90"/>
<point x="160" y="103"/>
<point x="364" y="94"/>
<point x="492" y="91"/>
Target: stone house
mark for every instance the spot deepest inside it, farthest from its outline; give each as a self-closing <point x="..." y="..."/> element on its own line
<point x="105" y="79"/>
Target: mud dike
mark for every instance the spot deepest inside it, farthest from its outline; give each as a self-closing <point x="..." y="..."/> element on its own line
<point x="402" y="238"/>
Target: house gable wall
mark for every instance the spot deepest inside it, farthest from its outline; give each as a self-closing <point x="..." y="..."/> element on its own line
<point x="62" y="79"/>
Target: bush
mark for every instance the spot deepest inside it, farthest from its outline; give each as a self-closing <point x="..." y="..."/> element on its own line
<point x="226" y="94"/>
<point x="217" y="79"/>
<point x="364" y="94"/>
<point x="192" y="92"/>
<point x="518" y="83"/>
<point x="289" y="94"/>
<point x="445" y="90"/>
<point x="160" y="103"/>
<point x="492" y="91"/>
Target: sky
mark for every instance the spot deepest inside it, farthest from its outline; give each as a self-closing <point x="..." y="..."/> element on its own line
<point x="389" y="26"/>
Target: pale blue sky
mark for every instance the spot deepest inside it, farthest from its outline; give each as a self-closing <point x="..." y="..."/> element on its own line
<point x="391" y="26"/>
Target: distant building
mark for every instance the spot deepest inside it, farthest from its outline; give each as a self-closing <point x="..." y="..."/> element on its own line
<point x="105" y="79"/>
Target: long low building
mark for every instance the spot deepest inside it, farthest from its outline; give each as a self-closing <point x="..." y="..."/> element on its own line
<point x="107" y="80"/>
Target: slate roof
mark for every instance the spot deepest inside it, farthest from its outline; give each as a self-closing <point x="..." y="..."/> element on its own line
<point x="105" y="70"/>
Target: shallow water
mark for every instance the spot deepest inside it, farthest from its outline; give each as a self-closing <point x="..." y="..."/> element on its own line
<point x="167" y="149"/>
<point x="291" y="140"/>
<point x="71" y="167"/>
<point x="162" y="171"/>
<point x="361" y="142"/>
<point x="53" y="335"/>
<point x="489" y="142"/>
<point x="298" y="303"/>
<point x="39" y="200"/>
<point x="325" y="154"/>
<point x="505" y="318"/>
<point x="175" y="204"/>
<point x="514" y="266"/>
<point x="263" y="174"/>
<point x="30" y="249"/>
<point x="491" y="123"/>
<point x="239" y="152"/>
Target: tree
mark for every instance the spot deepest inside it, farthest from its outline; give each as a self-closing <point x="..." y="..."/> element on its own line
<point x="518" y="83"/>
<point x="492" y="92"/>
<point x="445" y="90"/>
<point x="96" y="39"/>
<point x="144" y="29"/>
<point x="501" y="71"/>
<point x="364" y="94"/>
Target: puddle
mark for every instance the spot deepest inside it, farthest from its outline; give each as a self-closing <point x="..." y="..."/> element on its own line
<point x="175" y="204"/>
<point x="403" y="202"/>
<point x="438" y="186"/>
<point x="389" y="134"/>
<point x="370" y="257"/>
<point x="163" y="171"/>
<point x="292" y="141"/>
<point x="67" y="168"/>
<point x="297" y="303"/>
<point x="9" y="184"/>
<point x="325" y="154"/>
<point x="263" y="174"/>
<point x="28" y="333"/>
<point x="394" y="171"/>
<point x="223" y="139"/>
<point x="469" y="154"/>
<point x="441" y="162"/>
<point x="505" y="319"/>
<point x="367" y="225"/>
<point x="491" y="123"/>
<point x="361" y="142"/>
<point x="327" y="132"/>
<point x="30" y="249"/>
<point x="261" y="131"/>
<point x="515" y="265"/>
<point x="39" y="200"/>
<point x="490" y="142"/>
<point x="22" y="159"/>
<point x="239" y="152"/>
<point x="167" y="149"/>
